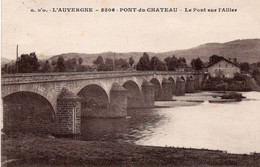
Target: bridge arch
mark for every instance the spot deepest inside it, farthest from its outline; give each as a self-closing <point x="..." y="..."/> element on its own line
<point x="158" y="88"/>
<point x="134" y="99"/>
<point x="51" y="96"/>
<point x="183" y="78"/>
<point x="189" y="77"/>
<point x="27" y="111"/>
<point x="94" y="100"/>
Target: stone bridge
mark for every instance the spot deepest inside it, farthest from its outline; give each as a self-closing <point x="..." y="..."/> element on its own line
<point x="55" y="102"/>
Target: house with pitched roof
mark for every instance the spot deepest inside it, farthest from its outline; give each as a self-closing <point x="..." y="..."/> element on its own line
<point x="223" y="68"/>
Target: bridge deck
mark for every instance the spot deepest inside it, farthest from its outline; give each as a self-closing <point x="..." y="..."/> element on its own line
<point x="24" y="78"/>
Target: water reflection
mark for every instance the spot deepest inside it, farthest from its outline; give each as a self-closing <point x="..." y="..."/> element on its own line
<point x="132" y="128"/>
<point x="234" y="127"/>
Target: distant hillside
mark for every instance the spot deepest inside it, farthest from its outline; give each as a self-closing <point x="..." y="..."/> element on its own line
<point x="5" y="61"/>
<point x="244" y="50"/>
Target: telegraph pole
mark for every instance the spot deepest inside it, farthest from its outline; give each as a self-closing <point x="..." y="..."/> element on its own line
<point x="16" y="58"/>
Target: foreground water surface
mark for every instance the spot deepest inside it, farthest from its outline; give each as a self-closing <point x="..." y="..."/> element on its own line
<point x="233" y="127"/>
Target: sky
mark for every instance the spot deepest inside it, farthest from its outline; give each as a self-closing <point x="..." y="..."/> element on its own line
<point x="49" y="33"/>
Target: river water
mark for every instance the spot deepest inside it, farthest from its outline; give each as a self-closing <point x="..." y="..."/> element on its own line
<point x="233" y="127"/>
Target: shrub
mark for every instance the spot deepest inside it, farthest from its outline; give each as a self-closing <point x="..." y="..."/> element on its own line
<point x="233" y="95"/>
<point x="240" y="77"/>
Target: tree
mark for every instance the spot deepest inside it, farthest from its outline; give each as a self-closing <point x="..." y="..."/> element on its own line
<point x="54" y="63"/>
<point x="109" y="62"/>
<point x="157" y="64"/>
<point x="161" y="66"/>
<point x="121" y="64"/>
<point x="61" y="66"/>
<point x="5" y="69"/>
<point x="154" y="62"/>
<point x="10" y="68"/>
<point x="144" y="63"/>
<point x="46" y="67"/>
<point x="255" y="73"/>
<point x="167" y="61"/>
<point x="182" y="62"/>
<point x="245" y="66"/>
<point x="71" y="64"/>
<point x="182" y="59"/>
<point x="197" y="64"/>
<point x="99" y="60"/>
<point x="100" y="63"/>
<point x="82" y="68"/>
<point x="28" y="63"/>
<point x="131" y="61"/>
<point x="80" y="61"/>
<point x="239" y="77"/>
<point x="172" y="63"/>
<point x="108" y="66"/>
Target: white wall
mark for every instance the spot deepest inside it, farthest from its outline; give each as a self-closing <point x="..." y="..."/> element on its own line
<point x="223" y="68"/>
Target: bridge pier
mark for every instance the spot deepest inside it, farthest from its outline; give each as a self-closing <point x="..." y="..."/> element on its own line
<point x="118" y="102"/>
<point x="11" y="124"/>
<point x="68" y="115"/>
<point x="190" y="85"/>
<point x="173" y="88"/>
<point x="158" y="89"/>
<point x="180" y="87"/>
<point x="196" y="82"/>
<point x="134" y="97"/>
<point x="148" y="93"/>
<point x="166" y="90"/>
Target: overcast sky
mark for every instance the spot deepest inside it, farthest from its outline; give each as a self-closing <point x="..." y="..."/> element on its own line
<point x="55" y="33"/>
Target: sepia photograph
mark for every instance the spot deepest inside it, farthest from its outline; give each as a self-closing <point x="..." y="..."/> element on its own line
<point x="133" y="83"/>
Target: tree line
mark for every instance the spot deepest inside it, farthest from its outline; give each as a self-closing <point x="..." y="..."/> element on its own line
<point x="29" y="63"/>
<point x="169" y="64"/>
<point x="109" y="64"/>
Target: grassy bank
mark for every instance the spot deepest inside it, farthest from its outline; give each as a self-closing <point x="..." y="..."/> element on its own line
<point x="29" y="149"/>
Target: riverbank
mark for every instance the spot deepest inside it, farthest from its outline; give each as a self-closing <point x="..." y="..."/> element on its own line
<point x="31" y="150"/>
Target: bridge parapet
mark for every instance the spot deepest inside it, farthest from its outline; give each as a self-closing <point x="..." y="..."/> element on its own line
<point x="54" y="77"/>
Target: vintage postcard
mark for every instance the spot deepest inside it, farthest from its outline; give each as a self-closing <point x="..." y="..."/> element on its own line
<point x="130" y="83"/>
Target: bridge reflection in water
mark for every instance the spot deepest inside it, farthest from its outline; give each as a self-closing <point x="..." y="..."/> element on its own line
<point x="70" y="96"/>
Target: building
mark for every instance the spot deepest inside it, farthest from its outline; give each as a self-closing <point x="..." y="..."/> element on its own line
<point x="223" y="68"/>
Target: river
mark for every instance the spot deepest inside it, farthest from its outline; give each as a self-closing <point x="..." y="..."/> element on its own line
<point x="232" y="127"/>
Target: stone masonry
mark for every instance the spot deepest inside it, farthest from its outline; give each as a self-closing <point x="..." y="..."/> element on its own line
<point x="68" y="116"/>
<point x="190" y="85"/>
<point x="118" y="101"/>
<point x="166" y="89"/>
<point x="180" y="87"/>
<point x="148" y="91"/>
